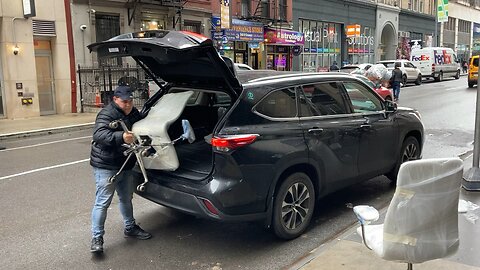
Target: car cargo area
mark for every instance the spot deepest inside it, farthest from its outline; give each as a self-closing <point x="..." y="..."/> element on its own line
<point x="203" y="110"/>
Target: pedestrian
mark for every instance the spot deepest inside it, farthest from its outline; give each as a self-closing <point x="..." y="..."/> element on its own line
<point x="334" y="66"/>
<point x="395" y="80"/>
<point x="465" y="66"/>
<point x="106" y="158"/>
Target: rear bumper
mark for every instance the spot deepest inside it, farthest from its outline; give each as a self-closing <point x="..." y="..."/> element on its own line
<point x="190" y="203"/>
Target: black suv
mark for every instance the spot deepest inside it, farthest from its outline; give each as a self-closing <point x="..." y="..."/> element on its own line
<point x="268" y="144"/>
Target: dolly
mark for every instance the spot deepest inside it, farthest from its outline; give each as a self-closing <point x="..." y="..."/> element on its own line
<point x="142" y="147"/>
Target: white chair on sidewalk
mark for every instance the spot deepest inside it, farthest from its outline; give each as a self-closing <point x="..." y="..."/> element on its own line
<point x="421" y="222"/>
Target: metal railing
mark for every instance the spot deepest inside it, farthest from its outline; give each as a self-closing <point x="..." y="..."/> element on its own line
<point x="98" y="83"/>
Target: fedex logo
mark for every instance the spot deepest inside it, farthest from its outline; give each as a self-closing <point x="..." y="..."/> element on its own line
<point x="420" y="57"/>
<point x="442" y="57"/>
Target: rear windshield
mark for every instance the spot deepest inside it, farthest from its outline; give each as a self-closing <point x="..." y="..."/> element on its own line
<point x="475" y="62"/>
<point x="389" y="64"/>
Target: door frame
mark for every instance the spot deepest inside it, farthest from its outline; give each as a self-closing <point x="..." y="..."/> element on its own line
<point x="48" y="53"/>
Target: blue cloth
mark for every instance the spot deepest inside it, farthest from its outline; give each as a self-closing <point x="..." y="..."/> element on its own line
<point x="396" y="89"/>
<point x="123" y="184"/>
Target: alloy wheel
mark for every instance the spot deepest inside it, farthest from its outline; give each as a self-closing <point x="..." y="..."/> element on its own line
<point x="410" y="153"/>
<point x="295" y="206"/>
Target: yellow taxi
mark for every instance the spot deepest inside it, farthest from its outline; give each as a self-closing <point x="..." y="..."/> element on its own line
<point x="473" y="71"/>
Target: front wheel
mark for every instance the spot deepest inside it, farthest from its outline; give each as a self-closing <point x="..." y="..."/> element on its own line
<point x="410" y="151"/>
<point x="419" y="79"/>
<point x="293" y="206"/>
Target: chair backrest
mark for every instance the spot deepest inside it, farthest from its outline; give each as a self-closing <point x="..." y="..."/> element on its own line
<point x="421" y="223"/>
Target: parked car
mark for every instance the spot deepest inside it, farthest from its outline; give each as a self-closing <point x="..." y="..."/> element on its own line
<point x="473" y="71"/>
<point x="239" y="66"/>
<point x="436" y="62"/>
<point x="267" y="144"/>
<point x="355" y="68"/>
<point x="384" y="92"/>
<point x="410" y="72"/>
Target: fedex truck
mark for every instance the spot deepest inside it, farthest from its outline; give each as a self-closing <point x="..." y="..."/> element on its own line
<point x="436" y="62"/>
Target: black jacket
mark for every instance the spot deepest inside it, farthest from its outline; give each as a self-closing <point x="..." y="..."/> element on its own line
<point x="396" y="75"/>
<point x="107" y="149"/>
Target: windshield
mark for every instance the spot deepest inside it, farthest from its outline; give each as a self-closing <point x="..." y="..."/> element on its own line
<point x="475" y="62"/>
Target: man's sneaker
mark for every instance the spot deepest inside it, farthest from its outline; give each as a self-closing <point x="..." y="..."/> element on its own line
<point x="97" y="245"/>
<point x="137" y="232"/>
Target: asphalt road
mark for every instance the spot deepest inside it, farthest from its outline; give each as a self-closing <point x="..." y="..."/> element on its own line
<point x="47" y="191"/>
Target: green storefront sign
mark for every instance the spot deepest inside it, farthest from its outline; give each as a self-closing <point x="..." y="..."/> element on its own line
<point x="442" y="11"/>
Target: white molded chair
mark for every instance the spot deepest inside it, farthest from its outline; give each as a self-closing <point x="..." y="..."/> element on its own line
<point x="421" y="223"/>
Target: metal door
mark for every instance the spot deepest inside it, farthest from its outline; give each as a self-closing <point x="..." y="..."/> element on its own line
<point x="45" y="84"/>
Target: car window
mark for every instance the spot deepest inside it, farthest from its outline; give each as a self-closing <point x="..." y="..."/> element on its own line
<point x="388" y="64"/>
<point x="363" y="100"/>
<point x="279" y="104"/>
<point x="322" y="99"/>
<point x="408" y="64"/>
<point x="475" y="62"/>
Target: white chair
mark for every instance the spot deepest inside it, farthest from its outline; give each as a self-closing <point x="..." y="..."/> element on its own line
<point x="421" y="222"/>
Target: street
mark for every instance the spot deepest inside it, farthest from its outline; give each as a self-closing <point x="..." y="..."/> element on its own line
<point x="47" y="189"/>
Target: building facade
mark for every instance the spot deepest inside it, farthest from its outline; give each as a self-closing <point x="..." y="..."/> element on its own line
<point x="462" y="31"/>
<point x="359" y="31"/>
<point x="34" y="59"/>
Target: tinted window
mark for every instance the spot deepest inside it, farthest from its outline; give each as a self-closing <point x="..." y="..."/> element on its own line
<point x="322" y="99"/>
<point x="279" y="104"/>
<point x="363" y="100"/>
<point x="475" y="62"/>
<point x="408" y="64"/>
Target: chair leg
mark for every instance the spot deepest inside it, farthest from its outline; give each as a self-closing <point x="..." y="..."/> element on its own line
<point x="410" y="266"/>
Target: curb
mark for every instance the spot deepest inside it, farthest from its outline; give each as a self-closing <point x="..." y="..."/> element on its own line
<point x="45" y="131"/>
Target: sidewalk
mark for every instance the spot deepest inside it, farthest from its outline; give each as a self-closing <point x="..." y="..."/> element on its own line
<point x="45" y="124"/>
<point x="347" y="251"/>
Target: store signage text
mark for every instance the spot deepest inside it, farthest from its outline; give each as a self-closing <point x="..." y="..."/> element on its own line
<point x="361" y="40"/>
<point x="316" y="36"/>
<point x="284" y="37"/>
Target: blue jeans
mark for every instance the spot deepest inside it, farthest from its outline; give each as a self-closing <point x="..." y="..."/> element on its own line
<point x="123" y="184"/>
<point x="396" y="89"/>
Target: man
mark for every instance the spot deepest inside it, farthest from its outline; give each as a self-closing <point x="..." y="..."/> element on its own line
<point x="334" y="66"/>
<point x="106" y="158"/>
<point x="396" y="80"/>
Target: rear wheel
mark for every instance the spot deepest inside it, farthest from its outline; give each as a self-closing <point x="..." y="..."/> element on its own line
<point x="470" y="84"/>
<point x="419" y="79"/>
<point x="457" y="75"/>
<point x="410" y="151"/>
<point x="439" y="78"/>
<point x="293" y="206"/>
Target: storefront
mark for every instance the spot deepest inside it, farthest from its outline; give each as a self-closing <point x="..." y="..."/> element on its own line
<point x="414" y="30"/>
<point x="241" y="43"/>
<point x="360" y="44"/>
<point x="279" y="48"/>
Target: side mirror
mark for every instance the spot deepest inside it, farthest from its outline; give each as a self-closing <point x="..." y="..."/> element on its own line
<point x="390" y="106"/>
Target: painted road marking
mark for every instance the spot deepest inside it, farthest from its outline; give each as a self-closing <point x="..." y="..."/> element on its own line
<point x="47" y="143"/>
<point x="44" y="169"/>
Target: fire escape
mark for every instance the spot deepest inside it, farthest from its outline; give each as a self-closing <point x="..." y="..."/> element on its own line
<point x="263" y="10"/>
<point x="178" y="5"/>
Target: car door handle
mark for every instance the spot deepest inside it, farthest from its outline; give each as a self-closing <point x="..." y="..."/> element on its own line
<point x="315" y="130"/>
<point x="365" y="126"/>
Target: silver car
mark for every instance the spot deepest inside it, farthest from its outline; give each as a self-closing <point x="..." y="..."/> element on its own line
<point x="410" y="72"/>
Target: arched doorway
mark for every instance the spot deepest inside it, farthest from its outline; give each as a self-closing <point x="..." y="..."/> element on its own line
<point x="388" y="42"/>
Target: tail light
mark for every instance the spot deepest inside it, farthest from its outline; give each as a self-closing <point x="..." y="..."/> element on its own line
<point x="210" y="207"/>
<point x="433" y="68"/>
<point x="228" y="143"/>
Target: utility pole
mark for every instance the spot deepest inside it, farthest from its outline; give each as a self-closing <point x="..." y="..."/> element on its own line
<point x="471" y="179"/>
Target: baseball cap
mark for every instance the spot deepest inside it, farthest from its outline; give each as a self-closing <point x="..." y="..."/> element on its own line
<point x="124" y="92"/>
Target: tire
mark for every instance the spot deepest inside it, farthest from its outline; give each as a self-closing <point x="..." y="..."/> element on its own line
<point x="439" y="78"/>
<point x="410" y="151"/>
<point x="419" y="79"/>
<point x="290" y="219"/>
<point x="470" y="85"/>
<point x="404" y="80"/>
<point x="457" y="75"/>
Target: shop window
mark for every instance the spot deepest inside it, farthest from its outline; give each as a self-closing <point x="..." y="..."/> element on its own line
<point x="464" y="26"/>
<point x="152" y="25"/>
<point x="192" y="26"/>
<point x="450" y="25"/>
<point x="106" y="27"/>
